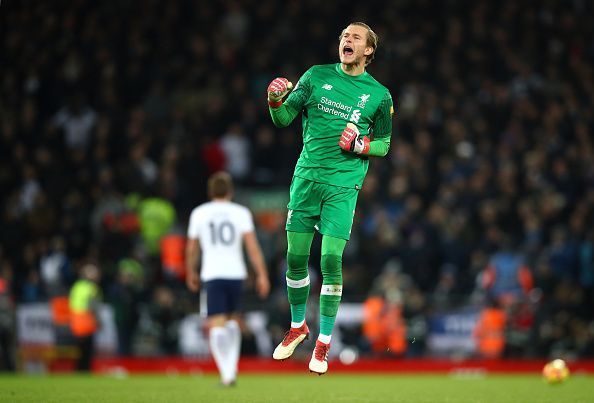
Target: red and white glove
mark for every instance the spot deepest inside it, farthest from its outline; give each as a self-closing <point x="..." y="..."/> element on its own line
<point x="277" y="89"/>
<point x="351" y="141"/>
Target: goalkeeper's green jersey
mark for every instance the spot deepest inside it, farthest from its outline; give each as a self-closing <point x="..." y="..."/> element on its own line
<point x="328" y="99"/>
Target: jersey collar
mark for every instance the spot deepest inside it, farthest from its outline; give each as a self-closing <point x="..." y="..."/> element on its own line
<point x="342" y="73"/>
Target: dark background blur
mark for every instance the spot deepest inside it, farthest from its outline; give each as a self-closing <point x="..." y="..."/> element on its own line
<point x="113" y="114"/>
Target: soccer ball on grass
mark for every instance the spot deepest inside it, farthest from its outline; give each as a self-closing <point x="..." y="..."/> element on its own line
<point x="555" y="371"/>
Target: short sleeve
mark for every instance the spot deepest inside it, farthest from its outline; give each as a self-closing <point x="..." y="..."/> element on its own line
<point x="247" y="221"/>
<point x="193" y="225"/>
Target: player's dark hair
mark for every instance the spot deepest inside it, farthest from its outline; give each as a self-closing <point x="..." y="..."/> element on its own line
<point x="220" y="185"/>
<point x="372" y="39"/>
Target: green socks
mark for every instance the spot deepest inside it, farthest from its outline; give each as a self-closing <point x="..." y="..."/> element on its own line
<point x="298" y="279"/>
<point x="297" y="286"/>
<point x="331" y="292"/>
<point x="326" y="324"/>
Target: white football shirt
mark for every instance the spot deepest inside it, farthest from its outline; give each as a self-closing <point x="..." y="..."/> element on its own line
<point x="219" y="226"/>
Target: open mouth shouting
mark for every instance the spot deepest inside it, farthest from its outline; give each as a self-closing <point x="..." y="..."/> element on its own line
<point x="347" y="50"/>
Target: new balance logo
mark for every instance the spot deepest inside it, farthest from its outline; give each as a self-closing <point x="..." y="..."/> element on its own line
<point x="327" y="87"/>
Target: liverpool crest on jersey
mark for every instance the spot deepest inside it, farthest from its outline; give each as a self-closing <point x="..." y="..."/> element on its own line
<point x="363" y="100"/>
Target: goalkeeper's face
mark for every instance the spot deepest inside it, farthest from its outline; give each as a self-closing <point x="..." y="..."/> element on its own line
<point x="353" y="48"/>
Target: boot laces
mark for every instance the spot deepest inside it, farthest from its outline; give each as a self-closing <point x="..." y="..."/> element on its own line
<point x="291" y="335"/>
<point x="321" y="351"/>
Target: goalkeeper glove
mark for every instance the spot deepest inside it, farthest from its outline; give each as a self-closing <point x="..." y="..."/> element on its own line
<point x="351" y="141"/>
<point x="277" y="89"/>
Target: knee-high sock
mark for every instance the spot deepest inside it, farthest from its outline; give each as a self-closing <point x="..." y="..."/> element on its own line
<point x="219" y="346"/>
<point x="331" y="292"/>
<point x="297" y="275"/>
<point x="234" y="333"/>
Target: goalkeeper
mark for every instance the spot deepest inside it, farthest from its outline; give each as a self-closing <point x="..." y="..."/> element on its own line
<point x="346" y="117"/>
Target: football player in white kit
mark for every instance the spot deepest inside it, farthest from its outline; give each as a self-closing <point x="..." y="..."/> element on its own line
<point x="217" y="232"/>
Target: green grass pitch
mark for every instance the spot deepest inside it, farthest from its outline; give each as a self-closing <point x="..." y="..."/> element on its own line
<point x="287" y="388"/>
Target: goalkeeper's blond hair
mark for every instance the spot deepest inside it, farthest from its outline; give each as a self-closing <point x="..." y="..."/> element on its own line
<point x="372" y="39"/>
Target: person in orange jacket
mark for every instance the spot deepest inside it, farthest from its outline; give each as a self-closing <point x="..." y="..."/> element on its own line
<point x="383" y="325"/>
<point x="489" y="331"/>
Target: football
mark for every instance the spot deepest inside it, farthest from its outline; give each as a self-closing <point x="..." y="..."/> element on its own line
<point x="555" y="371"/>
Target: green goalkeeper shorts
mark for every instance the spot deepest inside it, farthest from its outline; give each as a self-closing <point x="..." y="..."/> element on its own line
<point x="317" y="206"/>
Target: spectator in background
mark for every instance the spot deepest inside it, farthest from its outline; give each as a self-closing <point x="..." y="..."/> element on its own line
<point x="383" y="324"/>
<point x="85" y="296"/>
<point x="124" y="296"/>
<point x="157" y="216"/>
<point x="490" y="330"/>
<point x="563" y="255"/>
<point x="264" y="157"/>
<point x="55" y="268"/>
<point x="236" y="147"/>
<point x="507" y="279"/>
<point x="77" y="121"/>
<point x="173" y="246"/>
<point x="141" y="171"/>
<point x="32" y="290"/>
<point x="213" y="154"/>
<point x="445" y="292"/>
<point x="167" y="315"/>
<point x="30" y="189"/>
<point x="57" y="277"/>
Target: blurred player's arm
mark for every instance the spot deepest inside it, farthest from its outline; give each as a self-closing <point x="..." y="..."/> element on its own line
<point x="192" y="257"/>
<point x="254" y="253"/>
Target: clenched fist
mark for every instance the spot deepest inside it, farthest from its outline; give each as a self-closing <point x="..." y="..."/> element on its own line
<point x="352" y="141"/>
<point x="277" y="89"/>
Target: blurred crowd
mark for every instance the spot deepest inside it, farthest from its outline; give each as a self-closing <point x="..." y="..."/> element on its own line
<point x="112" y="116"/>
